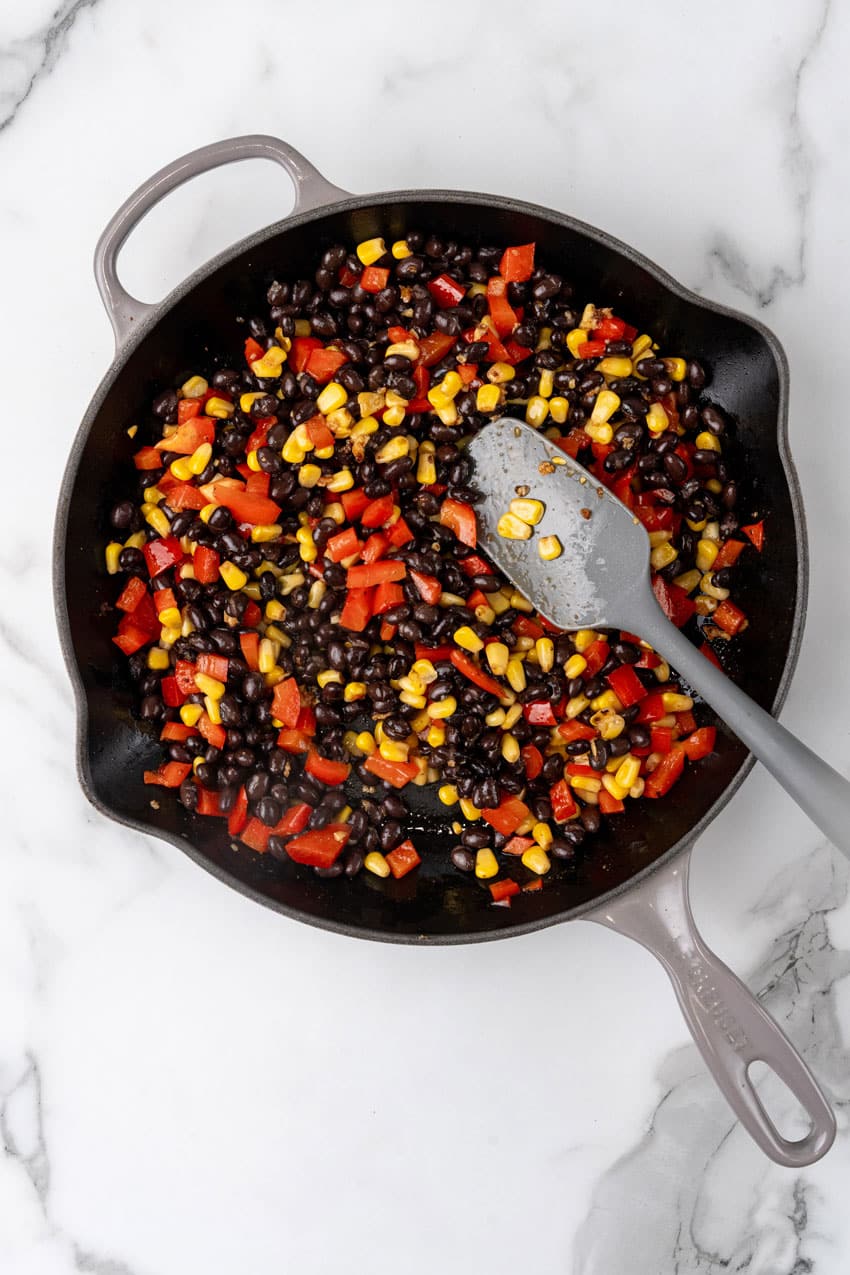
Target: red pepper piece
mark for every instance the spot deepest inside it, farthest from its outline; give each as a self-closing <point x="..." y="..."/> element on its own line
<point x="131" y="595"/>
<point x="247" y="507"/>
<point x="430" y="589"/>
<point x="238" y="816"/>
<point x="563" y="802"/>
<point x="170" y="775"/>
<point x="507" y="816"/>
<point x="318" y="433"/>
<point x="708" y="651"/>
<point x="730" y="552"/>
<point x="189" y="436"/>
<point x="250" y="646"/>
<point x="517" y="264"/>
<point x="293" y="820"/>
<point x="176" y="732"/>
<point x="293" y="740"/>
<point x="365" y="577"/>
<point x="256" y="835"/>
<point x="470" y="669"/>
<point x="581" y="769"/>
<point x="754" y="532"/>
<point x="302" y="348"/>
<point x="504" y="890"/>
<point x="207" y="801"/>
<point x="206" y="562"/>
<point x="172" y="695"/>
<point x="180" y="496"/>
<point x="130" y="637"/>
<point x="574" y="729"/>
<point x="608" y="804"/>
<point x="374" y="279"/>
<point x="524" y="626"/>
<point x="403" y="859"/>
<point x="539" y="713"/>
<point x="730" y="618"/>
<point x="212" y="732"/>
<point x="654" y="519"/>
<point x="661" y="739"/>
<point x="387" y="596"/>
<point x="253" y="350"/>
<point x="434" y="653"/>
<point x="666" y="773"/>
<point x="354" y="502"/>
<point x="686" y="723"/>
<point x="447" y="292"/>
<point x="342" y="545"/>
<point x="321" y="847"/>
<point x="626" y="685"/>
<point x="517" y="845"/>
<point x="378" y="511"/>
<point x="399" y="533"/>
<point x="532" y="759"/>
<point x="252" y="615"/>
<point x="674" y="602"/>
<point x="652" y="708"/>
<point x="286" y="702"/>
<point x="358" y="610"/>
<point x="504" y="317"/>
<point x="396" y="773"/>
<point x="374" y="548"/>
<point x="700" y="743"/>
<point x="147" y="458"/>
<point x="460" y="518"/>
<point x="160" y="554"/>
<point x="596" y="655"/>
<point x="325" y="770"/>
<point x="433" y="348"/>
<point x="591" y="350"/>
<point x="516" y="353"/>
<point x="217" y="666"/>
<point x="474" y="565"/>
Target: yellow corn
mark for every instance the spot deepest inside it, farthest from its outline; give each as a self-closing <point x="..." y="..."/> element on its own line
<point x="468" y="638"/>
<point x="676" y="368"/>
<point x="707" y="551"/>
<point x="450" y="385"/>
<point x="155" y="518"/>
<point x="343" y="480"/>
<point x="549" y="548"/>
<point x="498" y="602"/>
<point x="536" y="410"/>
<point x="113" y="552"/>
<point x="331" y="397"/>
<point x="576" y="705"/>
<point x="157" y="658"/>
<point x="617" y="366"/>
<point x="559" y="409"/>
<point x="547" y="383"/>
<point x="609" y="723"/>
<point x="542" y="834"/>
<point x="246" y="401"/>
<point x="371" y="250"/>
<point x="392" y="450"/>
<point x="170" y="617"/>
<point x="292" y="452"/>
<point x="426" y="468"/>
<point x="436" y="735"/>
<point x="488" y="398"/>
<point x="469" y="809"/>
<point x="711" y="589"/>
<point x="707" y="442"/>
<point x="335" y="511"/>
<point x="219" y="407"/>
<point x="393" y="750"/>
<point x="662" y="556"/>
<point x="712" y="531"/>
<point x="616" y="790"/>
<point x="309" y="475"/>
<point x="194" y="387"/>
<point x="153" y="495"/>
<point x="263" y="532"/>
<point x="657" y="419"/>
<point x="715" y="486"/>
<point x="425" y="671"/>
<point x="536" y="860"/>
<point x="605" y="406"/>
<point x="510" y="748"/>
<point x="688" y="580"/>
<point x="253" y="461"/>
<point x="675" y="703"/>
<point x="516" y="674"/>
<point x="267" y="657"/>
<point x="627" y="772"/>
<point x="190" y="714"/>
<point x="510" y="527"/>
<point x="400" y="250"/>
<point x="327" y="676"/>
<point x="576" y="338"/>
<point x="545" y="650"/>
<point x="442" y="708"/>
<point x="207" y="512"/>
<point x="640" y="345"/>
<point x="583" y="783"/>
<point x="528" y="511"/>
<point x="606" y="700"/>
<point x="366" y="743"/>
<point x="599" y="433"/>
<point x="497" y="657"/>
<point x="135" y="541"/>
<point x="485" y="614"/>
<point x="213" y="713"/>
<point x="486" y="864"/>
<point x="447" y="794"/>
<point x="413" y="701"/>
<point x="271" y="362"/>
<point x="376" y="863"/>
<point x="232" y="576"/>
<point x="584" y="638"/>
<point x="499" y="373"/>
<point x="575" y="666"/>
<point x="318" y="589"/>
<point x="210" y="686"/>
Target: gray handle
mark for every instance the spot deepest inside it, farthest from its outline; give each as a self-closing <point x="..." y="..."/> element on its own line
<point x="729" y="1026"/>
<point x="814" y="785"/>
<point x="312" y="190"/>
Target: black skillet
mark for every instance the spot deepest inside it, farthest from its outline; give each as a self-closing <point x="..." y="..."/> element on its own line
<point x="635" y="878"/>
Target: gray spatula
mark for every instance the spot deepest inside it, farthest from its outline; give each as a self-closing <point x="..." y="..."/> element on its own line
<point x="601" y="580"/>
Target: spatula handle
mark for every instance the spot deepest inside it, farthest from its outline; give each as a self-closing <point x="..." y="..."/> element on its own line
<point x="814" y="785"/>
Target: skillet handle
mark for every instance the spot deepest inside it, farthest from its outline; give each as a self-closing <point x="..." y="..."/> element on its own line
<point x="312" y="190"/>
<point x="729" y="1026"/>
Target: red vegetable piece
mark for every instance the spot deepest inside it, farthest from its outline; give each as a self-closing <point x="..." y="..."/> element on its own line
<point x="256" y="835"/>
<point x="504" y="317"/>
<point x="326" y="770"/>
<point x="354" y="502"/>
<point x="238" y="816"/>
<point x="460" y="518"/>
<point x="171" y="693"/>
<point x="574" y="729"/>
<point x="474" y="565"/>
<point x="505" y="889"/>
<point x="661" y="739"/>
<point x="365" y="577"/>
<point x="674" y="602"/>
<point x="131" y="595"/>
<point x="666" y="773"/>
<point x="399" y="533"/>
<point x="374" y="279"/>
<point x="189" y="436"/>
<point x="377" y="511"/>
<point x="609" y="804"/>
<point x="700" y="743"/>
<point x="591" y="350"/>
<point x="507" y="816"/>
<point x="318" y="433"/>
<point x="652" y="707"/>
<point x="206" y="563"/>
<point x="176" y="732"/>
<point x="342" y="545"/>
<point x="517" y="845"/>
<point x="596" y="655"/>
<point x="212" y="732"/>
<point x="162" y="553"/>
<point x="246" y="506"/>
<point x="387" y="596"/>
<point x="563" y="802"/>
<point x="396" y="773"/>
<point x="321" y="847"/>
<point x="447" y="292"/>
<point x="517" y="264"/>
<point x="295" y="819"/>
<point x="730" y="618"/>
<point x="467" y="666"/>
<point x="433" y="653"/>
<point x="130" y="637"/>
<point x="626" y="685"/>
<point x="170" y="775"/>
<point x="253" y="350"/>
<point x="539" y="712"/>
<point x="286" y="702"/>
<point x="403" y="859"/>
<point x="293" y="740"/>
<point x="730" y="552"/>
<point x="430" y="589"/>
<point x="249" y="644"/>
<point x="180" y="496"/>
<point x="216" y="666"/>
<point x="532" y="759"/>
<point x="358" y="610"/>
<point x="302" y="348"/>
<point x="755" y="532"/>
<point x="708" y="651"/>
<point x="207" y="801"/>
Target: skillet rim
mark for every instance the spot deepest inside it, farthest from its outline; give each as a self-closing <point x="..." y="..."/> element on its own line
<point x="146" y="327"/>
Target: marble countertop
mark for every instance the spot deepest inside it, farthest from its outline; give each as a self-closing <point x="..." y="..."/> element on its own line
<point x="191" y="1083"/>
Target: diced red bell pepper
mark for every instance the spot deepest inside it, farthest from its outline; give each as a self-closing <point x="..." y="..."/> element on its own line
<point x="517" y="845"/>
<point x="730" y="552"/>
<point x="378" y="511"/>
<point x="539" y="713"/>
<point x="532" y="760"/>
<point x="188" y="408"/>
<point x="581" y="769"/>
<point x="325" y="770"/>
<point x="255" y="485"/>
<point x="730" y="618"/>
<point x="622" y="487"/>
<point x="516" y="353"/>
<point x="474" y="565"/>
<point x="661" y="739"/>
<point x="674" y="602"/>
<point x="754" y="531"/>
<point x="609" y="804"/>
<point x="504" y="317"/>
<point x="432" y="349"/>
<point x="256" y="835"/>
<point x="365" y="577"/>
<point x="574" y="729"/>
<point x="403" y="859"/>
<point x="206" y="563"/>
<point x="358" y="610"/>
<point x="130" y="637"/>
<point x="517" y="264"/>
<point x="302" y="348"/>
<point x="596" y="655"/>
<point x="433" y="653"/>
<point x="217" y="666"/>
<point x="430" y="589"/>
<point x="626" y="685"/>
<point x="700" y="743"/>
<point x="467" y="372"/>
<point x="176" y="732"/>
<point x="170" y="775"/>
<point x="591" y="350"/>
<point x="460" y="518"/>
<point x="147" y="458"/>
<point x="246" y="506"/>
<point x="507" y="816"/>
<point x="293" y="820"/>
<point x="189" y="436"/>
<point x="160" y="554"/>
<point x="182" y="496"/>
<point x="286" y="702"/>
<point x="654" y="518"/>
<point x="253" y="350"/>
<point x="652" y="707"/>
<point x="387" y="631"/>
<point x="374" y="279"/>
<point x="318" y="433"/>
<point x="470" y="669"/>
<point x="131" y="595"/>
<point x="563" y="802"/>
<point x="184" y="673"/>
<point x="321" y="847"/>
<point x="399" y="533"/>
<point x="252" y="615"/>
<point x="374" y="548"/>
<point x="666" y="772"/>
<point x="387" y="596"/>
<point x="504" y="890"/>
<point x="686" y="723"/>
<point x="609" y="328"/>
<point x="307" y="719"/>
<point x="397" y="334"/>
<point x="396" y="773"/>
<point x="249" y="644"/>
<point x="238" y="816"/>
<point x="207" y="801"/>
<point x="354" y="502"/>
<point x="525" y="626"/>
<point x="711" y="655"/>
<point x="172" y="696"/>
<point x="344" y="544"/>
<point x="212" y="732"/>
<point x="347" y="277"/>
<point x="447" y="292"/>
<point x="293" y="740"/>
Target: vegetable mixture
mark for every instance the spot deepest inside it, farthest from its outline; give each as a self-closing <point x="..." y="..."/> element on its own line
<point x="308" y="620"/>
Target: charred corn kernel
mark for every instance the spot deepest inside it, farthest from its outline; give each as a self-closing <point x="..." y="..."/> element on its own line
<point x="599" y="433"/>
<point x="157" y="519"/>
<point x="376" y="863"/>
<point x="697" y="526"/>
<point x="715" y="486"/>
<point x="486" y="864"/>
<point x="263" y="532"/>
<point x="426" y="468"/>
<point x="559" y="409"/>
<point x="583" y="783"/>
<point x="627" y="772"/>
<point x="675" y="703"/>
<point x="267" y="656"/>
<point x="549" y="548"/>
<point x="705" y="605"/>
<point x="157" y="658"/>
<point x="712" y="531"/>
<point x="371" y="250"/>
<point x="707" y="442"/>
<point x="339" y="423"/>
<point x="425" y="671"/>
<point x="576" y="338"/>
<point x="542" y="834"/>
<point x="468" y="638"/>
<point x="574" y="666"/>
<point x="170" y="617"/>
<point x="500" y="373"/>
<point x="510" y="527"/>
<point x="208" y="511"/>
<point x="676" y="368"/>
<point x="657" y="419"/>
<point x="113" y="552"/>
<point x="488" y="398"/>
<point x="370" y="402"/>
<point x="447" y="794"/>
<point x="469" y="809"/>
<point x="662" y="556"/>
<point x="616" y="790"/>
<point x="135" y="541"/>
<point x="327" y="676"/>
<point x="576" y="705"/>
<point x="614" y="366"/>
<point x="688" y="580"/>
<point x="190" y="714"/>
<point x="393" y="416"/>
<point x="711" y="589"/>
<point x="536" y="410"/>
<point x="640" y="345"/>
<point x="211" y="705"/>
<point x="536" y="860"/>
<point x="253" y="461"/>
<point x="400" y="250"/>
<point x="247" y="401"/>
<point x="450" y="385"/>
<point x="366" y="743"/>
<point x="194" y="387"/>
<point x="516" y="674"/>
<point x="209" y="686"/>
<point x="413" y="701"/>
<point x="332" y="397"/>
<point x="292" y="452"/>
<point x="309" y="475"/>
<point x="528" y="511"/>
<point x="545" y="649"/>
<point x="584" y="638"/>
<point x="547" y="383"/>
<point x="392" y="450"/>
<point x="436" y="735"/>
<point x="218" y="407"/>
<point x="707" y="551"/>
<point x="393" y="750"/>
<point x="439" y="709"/>
<point x="232" y="576"/>
<point x="611" y="725"/>
<point x="510" y="748"/>
<point x="498" y="655"/>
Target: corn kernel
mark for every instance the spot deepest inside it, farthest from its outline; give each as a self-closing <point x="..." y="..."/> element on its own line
<point x="559" y="409"/>
<point x="393" y="750"/>
<point x="247" y="401"/>
<point x="576" y="338"/>
<point x="113" y="552"/>
<point x="158" y="659"/>
<point x="365" y="742"/>
<point x="451" y="385"/>
<point x="232" y="576"/>
<point x="584" y="784"/>
<point x="447" y="794"/>
<point x="545" y="649"/>
<point x="708" y="442"/>
<point x="267" y="656"/>
<point x="547" y="383"/>
<point x="627" y="772"/>
<point x="640" y="345"/>
<point x="376" y="863"/>
<point x="136" y="541"/>
<point x="468" y="638"/>
<point x="195" y="387"/>
<point x="309" y="475"/>
<point x="536" y="860"/>
<point x="599" y="433"/>
<point x="218" y="407"/>
<point x="292" y="452"/>
<point x="371" y="250"/>
<point x="269" y="366"/>
<point x="510" y="527"/>
<point x="688" y="580"/>
<point x="212" y="709"/>
<point x="712" y="531"/>
<point x="711" y="589"/>
<point x="662" y="556"/>
<point x="207" y="512"/>
<point x="343" y="480"/>
<point x="528" y="511"/>
<point x="707" y="551"/>
<point x="542" y="834"/>
<point x="714" y="485"/>
<point x="676" y="368"/>
<point x="488" y="398"/>
<point x="510" y="748"/>
<point x="700" y="525"/>
<point x="536" y="410"/>
<point x="575" y="666"/>
<point x="656" y="419"/>
<point x="616" y="790"/>
<point x="190" y="714"/>
<point x="332" y="396"/>
<point x="392" y="450"/>
<point x="486" y="864"/>
<point x="499" y="373"/>
<point x="584" y="638"/>
<point x="615" y="366"/>
<point x="170" y="617"/>
<point x="516" y="674"/>
<point x="413" y="701"/>
<point x="576" y="705"/>
<point x="549" y="548"/>
<point x="155" y="518"/>
<point x="400" y="250"/>
<point x="498" y="655"/>
<point x="209" y="686"/>
<point x="606" y="700"/>
<point x="609" y="724"/>
<point x="442" y="708"/>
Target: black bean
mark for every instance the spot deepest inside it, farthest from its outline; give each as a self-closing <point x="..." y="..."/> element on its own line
<point x="463" y="858"/>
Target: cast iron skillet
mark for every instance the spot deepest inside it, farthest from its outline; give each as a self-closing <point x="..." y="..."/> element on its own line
<point x="635" y="879"/>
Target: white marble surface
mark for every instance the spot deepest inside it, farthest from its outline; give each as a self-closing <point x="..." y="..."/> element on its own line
<point x="190" y="1083"/>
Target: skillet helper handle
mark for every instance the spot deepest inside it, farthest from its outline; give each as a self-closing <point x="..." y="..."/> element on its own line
<point x="312" y="190"/>
<point x="729" y="1026"/>
<point x="817" y="789"/>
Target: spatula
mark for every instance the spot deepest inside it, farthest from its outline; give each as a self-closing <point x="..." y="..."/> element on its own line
<point x="601" y="580"/>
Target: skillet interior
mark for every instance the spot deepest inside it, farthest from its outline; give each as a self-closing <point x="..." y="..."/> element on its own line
<point x="436" y="903"/>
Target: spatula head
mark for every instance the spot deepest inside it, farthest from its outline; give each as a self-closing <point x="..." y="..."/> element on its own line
<point x="601" y="578"/>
